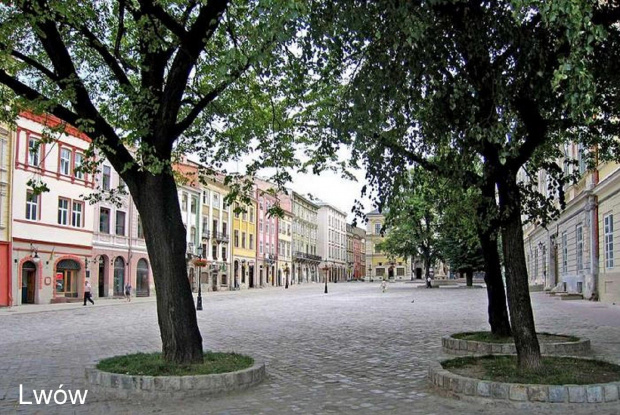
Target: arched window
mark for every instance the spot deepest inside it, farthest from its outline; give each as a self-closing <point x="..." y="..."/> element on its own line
<point x="119" y="275"/>
<point x="142" y="279"/>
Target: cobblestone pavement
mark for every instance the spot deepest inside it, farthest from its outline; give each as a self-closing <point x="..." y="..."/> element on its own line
<point x="355" y="350"/>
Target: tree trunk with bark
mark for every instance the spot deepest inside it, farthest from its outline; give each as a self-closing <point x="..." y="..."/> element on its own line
<point x="498" y="311"/>
<point x="165" y="236"/>
<point x="519" y="303"/>
<point x="487" y="235"/>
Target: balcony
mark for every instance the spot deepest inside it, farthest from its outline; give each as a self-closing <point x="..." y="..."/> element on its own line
<point x="302" y="256"/>
<point x="206" y="235"/>
<point x="220" y="236"/>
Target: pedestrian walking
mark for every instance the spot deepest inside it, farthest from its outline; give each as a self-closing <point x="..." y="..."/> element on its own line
<point x="128" y="291"/>
<point x="383" y="285"/>
<point x="87" y="294"/>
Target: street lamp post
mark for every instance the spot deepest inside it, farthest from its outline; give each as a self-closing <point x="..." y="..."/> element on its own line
<point x="286" y="272"/>
<point x="200" y="263"/>
<point x="326" y="269"/>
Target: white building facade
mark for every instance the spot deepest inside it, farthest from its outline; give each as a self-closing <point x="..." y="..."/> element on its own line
<point x="332" y="241"/>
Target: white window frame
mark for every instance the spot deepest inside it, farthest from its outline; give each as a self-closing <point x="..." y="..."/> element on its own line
<point x="579" y="246"/>
<point x="32" y="206"/>
<point x="78" y="159"/>
<point x="63" y="211"/>
<point x="564" y="252"/>
<point x="65" y="161"/>
<point x="77" y="215"/>
<point x="34" y="157"/>
<point x="608" y="229"/>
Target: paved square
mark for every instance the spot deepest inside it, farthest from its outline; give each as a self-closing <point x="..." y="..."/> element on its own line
<point x="354" y="350"/>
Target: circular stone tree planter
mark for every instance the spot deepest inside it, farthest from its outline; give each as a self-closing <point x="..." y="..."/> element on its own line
<point x="463" y="347"/>
<point x="108" y="385"/>
<point x="477" y="390"/>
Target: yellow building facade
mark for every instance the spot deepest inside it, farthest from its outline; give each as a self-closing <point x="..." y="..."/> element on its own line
<point x="378" y="264"/>
<point x="244" y="245"/>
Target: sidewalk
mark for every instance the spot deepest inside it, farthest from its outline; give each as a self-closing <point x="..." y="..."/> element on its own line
<point x="99" y="302"/>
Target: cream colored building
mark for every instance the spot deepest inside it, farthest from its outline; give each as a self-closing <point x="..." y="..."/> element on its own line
<point x="7" y="278"/>
<point x="52" y="230"/>
<point x="578" y="252"/>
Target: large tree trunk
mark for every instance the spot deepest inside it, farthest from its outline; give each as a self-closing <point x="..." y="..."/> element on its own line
<point x="498" y="311"/>
<point x="158" y="204"/>
<point x="486" y="212"/>
<point x="521" y="315"/>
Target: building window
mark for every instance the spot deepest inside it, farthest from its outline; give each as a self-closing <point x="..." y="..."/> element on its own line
<point x="77" y="213"/>
<point x="104" y="220"/>
<point x="192" y="234"/>
<point x="140" y="228"/>
<point x="193" y="205"/>
<point x="377" y="228"/>
<point x="63" y="211"/>
<point x="184" y="202"/>
<point x="77" y="165"/>
<point x="582" y="159"/>
<point x="251" y="241"/>
<point x="260" y="247"/>
<point x="236" y="206"/>
<point x="32" y="206"/>
<point x="216" y="200"/>
<point x="205" y="197"/>
<point x="120" y="223"/>
<point x="236" y="238"/>
<point x="214" y="251"/>
<point x="34" y="152"/>
<point x="260" y="226"/>
<point x="65" y="161"/>
<point x="579" y="246"/>
<point x="251" y="214"/>
<point x="243" y="240"/>
<point x="106" y="177"/>
<point x="608" y="224"/>
<point x="224" y="257"/>
<point x="564" y="252"/>
<point x="224" y="228"/>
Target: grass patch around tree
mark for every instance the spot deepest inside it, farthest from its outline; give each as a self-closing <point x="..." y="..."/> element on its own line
<point x="488" y="337"/>
<point x="152" y="364"/>
<point x="555" y="370"/>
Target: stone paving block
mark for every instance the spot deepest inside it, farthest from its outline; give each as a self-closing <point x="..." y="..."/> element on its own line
<point x="470" y="387"/>
<point x="500" y="390"/>
<point x="538" y="393"/>
<point x="594" y="393"/>
<point x="576" y="394"/>
<point x="518" y="392"/>
<point x="558" y="394"/>
<point x="611" y="392"/>
<point x="484" y="389"/>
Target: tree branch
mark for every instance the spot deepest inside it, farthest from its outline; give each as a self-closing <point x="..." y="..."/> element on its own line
<point x="38" y="66"/>
<point x="536" y="127"/>
<point x="155" y="10"/>
<point x="207" y="99"/>
<point x="186" y="57"/>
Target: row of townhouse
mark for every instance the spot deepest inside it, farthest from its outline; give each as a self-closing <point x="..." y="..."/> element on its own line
<point x="577" y="252"/>
<point x="51" y="242"/>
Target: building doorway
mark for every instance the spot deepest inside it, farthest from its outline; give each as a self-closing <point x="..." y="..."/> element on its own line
<point x="142" y="279"/>
<point x="29" y="271"/>
<point x="251" y="277"/>
<point x="119" y="276"/>
<point x="101" y="275"/>
<point x="67" y="278"/>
